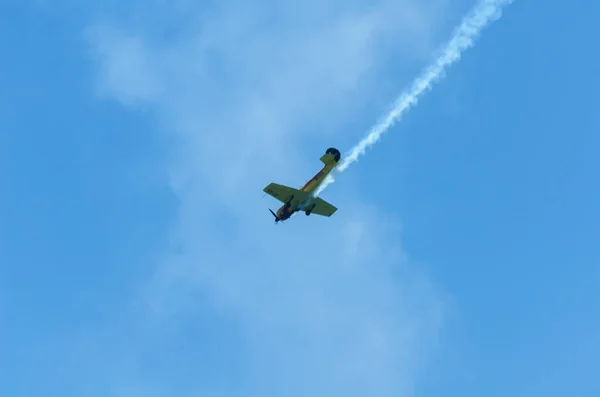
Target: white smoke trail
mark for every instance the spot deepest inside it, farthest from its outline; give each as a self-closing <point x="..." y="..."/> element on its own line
<point x="484" y="12"/>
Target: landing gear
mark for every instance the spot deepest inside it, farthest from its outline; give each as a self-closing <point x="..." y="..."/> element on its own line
<point x="309" y="210"/>
<point x="288" y="204"/>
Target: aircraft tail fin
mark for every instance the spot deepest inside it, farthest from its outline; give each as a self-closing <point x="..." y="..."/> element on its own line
<point x="331" y="156"/>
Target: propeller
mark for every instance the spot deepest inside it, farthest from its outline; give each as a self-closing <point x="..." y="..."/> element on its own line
<point x="275" y="215"/>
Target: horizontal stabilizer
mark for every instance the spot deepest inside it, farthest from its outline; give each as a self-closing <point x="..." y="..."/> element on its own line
<point x="328" y="158"/>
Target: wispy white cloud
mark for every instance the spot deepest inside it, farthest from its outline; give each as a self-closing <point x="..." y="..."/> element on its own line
<point x="325" y="306"/>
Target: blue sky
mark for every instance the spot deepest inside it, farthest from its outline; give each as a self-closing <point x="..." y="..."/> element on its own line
<point x="137" y="255"/>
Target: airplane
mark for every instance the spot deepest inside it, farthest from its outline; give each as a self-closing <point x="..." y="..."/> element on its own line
<point x="296" y="200"/>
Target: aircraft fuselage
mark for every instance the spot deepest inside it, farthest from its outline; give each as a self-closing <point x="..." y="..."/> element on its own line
<point x="331" y="159"/>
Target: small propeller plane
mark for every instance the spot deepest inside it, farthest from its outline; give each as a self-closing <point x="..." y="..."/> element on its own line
<point x="302" y="199"/>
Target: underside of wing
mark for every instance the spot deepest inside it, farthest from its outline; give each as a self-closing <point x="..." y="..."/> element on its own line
<point x="285" y="193"/>
<point x="323" y="208"/>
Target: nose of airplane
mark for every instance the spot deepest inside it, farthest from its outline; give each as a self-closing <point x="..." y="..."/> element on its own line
<point x="275" y="215"/>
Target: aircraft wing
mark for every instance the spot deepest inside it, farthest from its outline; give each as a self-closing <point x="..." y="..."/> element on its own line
<point x="323" y="208"/>
<point x="284" y="193"/>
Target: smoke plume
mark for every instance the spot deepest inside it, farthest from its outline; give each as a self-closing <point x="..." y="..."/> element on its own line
<point x="480" y="16"/>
